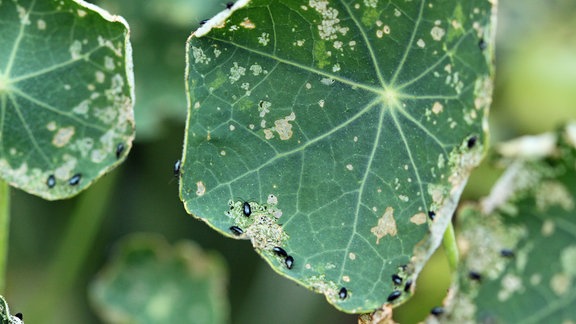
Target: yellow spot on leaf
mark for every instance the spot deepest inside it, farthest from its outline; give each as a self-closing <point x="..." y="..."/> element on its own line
<point x="386" y="225"/>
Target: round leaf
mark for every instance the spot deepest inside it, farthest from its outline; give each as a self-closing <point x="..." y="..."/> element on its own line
<point x="519" y="247"/>
<point x="66" y="95"/>
<point x="149" y="281"/>
<point x="342" y="124"/>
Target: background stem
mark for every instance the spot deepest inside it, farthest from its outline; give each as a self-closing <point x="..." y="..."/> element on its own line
<point x="450" y="247"/>
<point x="4" y="230"/>
<point x="62" y="273"/>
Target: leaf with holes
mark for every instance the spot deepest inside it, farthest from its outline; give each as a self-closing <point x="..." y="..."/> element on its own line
<point x="66" y="95"/>
<point x="343" y="125"/>
<point x="149" y="281"/>
<point x="521" y="241"/>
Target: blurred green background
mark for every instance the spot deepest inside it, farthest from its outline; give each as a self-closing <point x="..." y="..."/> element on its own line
<point x="535" y="91"/>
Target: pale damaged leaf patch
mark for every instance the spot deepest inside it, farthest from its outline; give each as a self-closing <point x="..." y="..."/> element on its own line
<point x="66" y="95"/>
<point x="518" y="249"/>
<point x="361" y="118"/>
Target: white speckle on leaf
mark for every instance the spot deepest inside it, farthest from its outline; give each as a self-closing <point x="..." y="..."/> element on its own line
<point x="256" y="69"/>
<point x="371" y="3"/>
<point x="329" y="27"/>
<point x="200" y="188"/>
<point x="336" y="67"/>
<point x="548" y="228"/>
<point x="264" y="107"/>
<point x="349" y="167"/>
<point x="553" y="194"/>
<point x="327" y="81"/>
<point x="321" y="103"/>
<point x="535" y="279"/>
<point x="63" y="136"/>
<point x="355" y="139"/>
<point x="100" y="76"/>
<point x="386" y="225"/>
<point x="308" y="85"/>
<point x="41" y="24"/>
<point x="403" y="198"/>
<point x="352" y="256"/>
<point x="346" y="278"/>
<point x="82" y="108"/>
<point x="199" y="56"/>
<point x="51" y="126"/>
<point x="232" y="128"/>
<point x="421" y="43"/>
<point x="66" y="169"/>
<point x="81" y="13"/>
<point x="437" y="33"/>
<point x="217" y="52"/>
<point x="273" y="200"/>
<point x="268" y="134"/>
<point x="264" y="39"/>
<point x="560" y="283"/>
<point x="510" y="284"/>
<point x="236" y="72"/>
<point x="568" y="260"/>
<point x="109" y="63"/>
<point x="75" y="50"/>
<point x="397" y="12"/>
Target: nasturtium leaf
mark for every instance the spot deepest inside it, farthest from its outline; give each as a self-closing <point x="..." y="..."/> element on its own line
<point x="149" y="281"/>
<point x="66" y="95"/>
<point x="5" y="316"/>
<point x="521" y="241"/>
<point x="342" y="123"/>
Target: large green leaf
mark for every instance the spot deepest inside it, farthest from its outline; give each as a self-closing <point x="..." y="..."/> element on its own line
<point x="66" y="95"/>
<point x="522" y="240"/>
<point x="342" y="123"/>
<point x="149" y="281"/>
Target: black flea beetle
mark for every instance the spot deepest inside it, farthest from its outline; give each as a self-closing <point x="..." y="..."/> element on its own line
<point x="279" y="251"/>
<point x="475" y="276"/>
<point x="177" y="165"/>
<point x="437" y="311"/>
<point x="119" y="150"/>
<point x="236" y="230"/>
<point x="396" y="279"/>
<point x="408" y="285"/>
<point x="431" y="215"/>
<point x="202" y="22"/>
<point x="289" y="261"/>
<point x="51" y="181"/>
<point x="472" y="141"/>
<point x="246" y="209"/>
<point x="75" y="180"/>
<point x="229" y="5"/>
<point x="394" y="295"/>
<point x="343" y="293"/>
<point x="507" y="253"/>
<point x="482" y="44"/>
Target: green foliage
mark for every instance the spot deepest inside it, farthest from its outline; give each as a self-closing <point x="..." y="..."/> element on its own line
<point x="149" y="281"/>
<point x="342" y="124"/>
<point x="66" y="95"/>
<point x="521" y="240"/>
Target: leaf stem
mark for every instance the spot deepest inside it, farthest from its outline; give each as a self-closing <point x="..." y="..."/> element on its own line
<point x="4" y="230"/>
<point x="72" y="252"/>
<point x="450" y="247"/>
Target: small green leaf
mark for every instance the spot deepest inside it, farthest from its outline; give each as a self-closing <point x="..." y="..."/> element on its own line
<point x="66" y="95"/>
<point x="149" y="281"/>
<point x="342" y="123"/>
<point x="522" y="240"/>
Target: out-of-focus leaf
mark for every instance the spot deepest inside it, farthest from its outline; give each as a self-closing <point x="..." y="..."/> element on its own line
<point x="149" y="281"/>
<point x="342" y="123"/>
<point x="66" y="95"/>
<point x="519" y="245"/>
